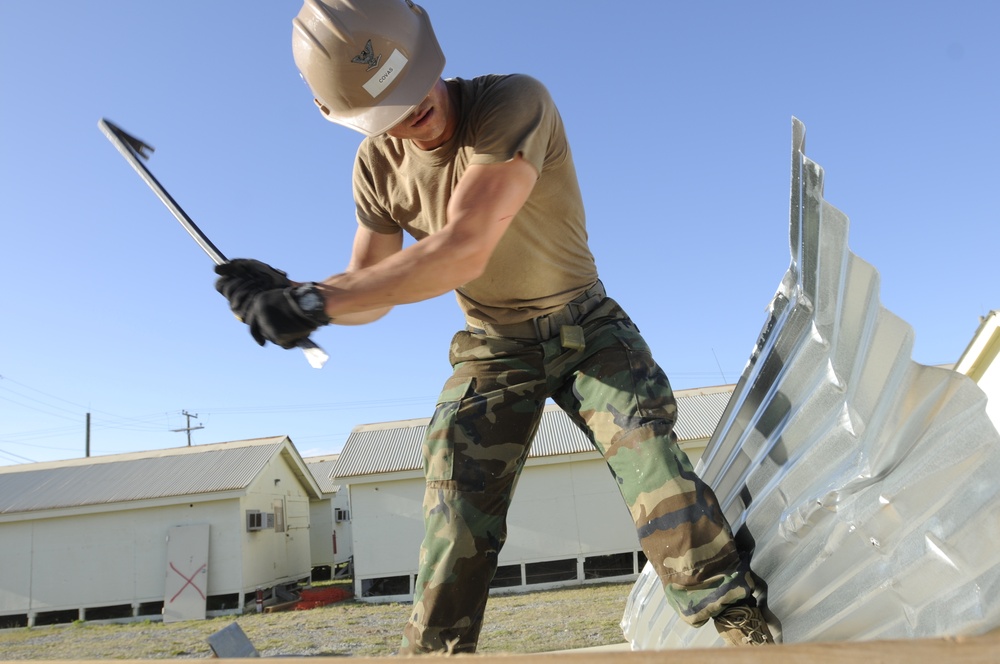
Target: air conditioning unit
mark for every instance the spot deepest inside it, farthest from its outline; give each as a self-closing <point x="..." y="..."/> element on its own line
<point x="340" y="514"/>
<point x="255" y="520"/>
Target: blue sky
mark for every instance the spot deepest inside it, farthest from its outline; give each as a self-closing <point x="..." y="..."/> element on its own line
<point x="679" y="114"/>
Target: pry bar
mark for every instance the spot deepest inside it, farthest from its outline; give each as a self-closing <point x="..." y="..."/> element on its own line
<point x="134" y="151"/>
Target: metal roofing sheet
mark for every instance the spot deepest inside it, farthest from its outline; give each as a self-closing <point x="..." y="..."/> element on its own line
<point x="866" y="481"/>
<point x="137" y="476"/>
<point x="699" y="414"/>
<point x="395" y="447"/>
<point x="321" y="469"/>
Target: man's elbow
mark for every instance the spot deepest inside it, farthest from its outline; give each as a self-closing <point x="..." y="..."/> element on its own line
<point x="361" y="317"/>
<point x="472" y="265"/>
<point x="467" y="257"/>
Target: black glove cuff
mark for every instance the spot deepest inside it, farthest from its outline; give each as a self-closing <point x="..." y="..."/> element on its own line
<point x="310" y="302"/>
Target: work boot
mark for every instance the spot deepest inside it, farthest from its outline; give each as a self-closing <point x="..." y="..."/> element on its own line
<point x="743" y="626"/>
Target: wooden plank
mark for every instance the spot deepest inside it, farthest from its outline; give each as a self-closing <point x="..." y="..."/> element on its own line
<point x="284" y="606"/>
<point x="956" y="650"/>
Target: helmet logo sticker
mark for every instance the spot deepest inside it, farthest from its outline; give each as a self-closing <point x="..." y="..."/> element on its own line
<point x="367" y="57"/>
<point x="386" y="74"/>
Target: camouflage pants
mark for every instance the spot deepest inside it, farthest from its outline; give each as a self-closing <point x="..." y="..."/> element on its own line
<point x="476" y="446"/>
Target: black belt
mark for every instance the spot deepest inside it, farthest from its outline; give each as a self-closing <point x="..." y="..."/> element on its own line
<point x="548" y="326"/>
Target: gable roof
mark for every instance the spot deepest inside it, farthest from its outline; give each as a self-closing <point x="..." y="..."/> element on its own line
<point x="390" y="447"/>
<point x="320" y="467"/>
<point x="121" y="478"/>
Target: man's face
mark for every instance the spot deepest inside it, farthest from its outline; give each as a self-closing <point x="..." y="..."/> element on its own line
<point x="432" y="122"/>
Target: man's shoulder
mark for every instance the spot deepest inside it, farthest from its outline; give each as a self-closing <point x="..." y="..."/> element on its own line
<point x="490" y="82"/>
<point x="381" y="147"/>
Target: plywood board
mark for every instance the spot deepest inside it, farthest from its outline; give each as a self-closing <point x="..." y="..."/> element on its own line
<point x="186" y="587"/>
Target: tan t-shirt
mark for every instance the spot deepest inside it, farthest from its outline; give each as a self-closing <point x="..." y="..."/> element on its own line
<point x="543" y="260"/>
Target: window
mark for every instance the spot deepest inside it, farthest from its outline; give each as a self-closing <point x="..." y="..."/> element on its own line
<point x="506" y="576"/>
<point x="340" y="514"/>
<point x="279" y="516"/>
<point x="387" y="585"/>
<point x="599" y="567"/>
<point x="550" y="571"/>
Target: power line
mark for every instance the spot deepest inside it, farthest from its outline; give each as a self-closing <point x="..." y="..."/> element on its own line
<point x="17" y="458"/>
<point x="188" y="428"/>
<point x="74" y="415"/>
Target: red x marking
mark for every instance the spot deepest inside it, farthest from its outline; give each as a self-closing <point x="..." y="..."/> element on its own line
<point x="188" y="581"/>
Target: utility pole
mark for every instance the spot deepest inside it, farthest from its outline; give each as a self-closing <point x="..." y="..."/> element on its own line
<point x="88" y="435"/>
<point x="188" y="428"/>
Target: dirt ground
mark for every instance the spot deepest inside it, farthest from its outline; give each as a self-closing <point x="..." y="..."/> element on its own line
<point x="567" y="618"/>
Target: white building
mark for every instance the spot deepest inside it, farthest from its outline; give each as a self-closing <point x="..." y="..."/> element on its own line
<point x="329" y="522"/>
<point x="567" y="524"/>
<point x="87" y="538"/>
<point x="979" y="363"/>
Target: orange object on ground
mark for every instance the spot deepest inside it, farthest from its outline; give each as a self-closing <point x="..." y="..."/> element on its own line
<point x="311" y="598"/>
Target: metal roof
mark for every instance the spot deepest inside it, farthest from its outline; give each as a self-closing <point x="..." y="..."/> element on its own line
<point x="699" y="412"/>
<point x="120" y="478"/>
<point x="390" y="447"/>
<point x="321" y="467"/>
<point x="866" y="481"/>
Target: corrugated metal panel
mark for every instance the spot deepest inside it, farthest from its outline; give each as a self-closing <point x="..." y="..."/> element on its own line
<point x="371" y="450"/>
<point x="699" y="414"/>
<point x="558" y="435"/>
<point x="321" y="469"/>
<point x="124" y="478"/>
<point x="868" y="482"/>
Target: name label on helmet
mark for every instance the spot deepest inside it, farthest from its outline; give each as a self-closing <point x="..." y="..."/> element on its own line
<point x="377" y="84"/>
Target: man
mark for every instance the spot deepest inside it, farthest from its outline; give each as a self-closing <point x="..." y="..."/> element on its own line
<point x="480" y="172"/>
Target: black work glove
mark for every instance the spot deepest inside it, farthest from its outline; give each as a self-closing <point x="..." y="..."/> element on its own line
<point x="242" y="278"/>
<point x="285" y="316"/>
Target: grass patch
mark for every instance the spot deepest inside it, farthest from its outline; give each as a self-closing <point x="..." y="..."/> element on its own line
<point x="544" y="621"/>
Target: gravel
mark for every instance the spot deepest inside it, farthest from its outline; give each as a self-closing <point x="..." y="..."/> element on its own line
<point x="560" y="619"/>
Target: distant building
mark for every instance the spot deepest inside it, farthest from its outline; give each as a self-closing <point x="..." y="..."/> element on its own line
<point x="87" y="538"/>
<point x="567" y="525"/>
<point x="979" y="362"/>
<point x="329" y="522"/>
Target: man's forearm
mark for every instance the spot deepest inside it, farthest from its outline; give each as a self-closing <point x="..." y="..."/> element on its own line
<point x="361" y="317"/>
<point x="481" y="209"/>
<point x="435" y="265"/>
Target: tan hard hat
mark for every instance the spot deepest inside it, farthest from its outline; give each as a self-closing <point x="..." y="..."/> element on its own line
<point x="369" y="63"/>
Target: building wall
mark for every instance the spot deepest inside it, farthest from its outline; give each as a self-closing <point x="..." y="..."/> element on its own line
<point x="15" y="566"/>
<point x="321" y="533"/>
<point x="109" y="558"/>
<point x="565" y="509"/>
<point x="979" y="362"/>
<point x="387" y="522"/>
<point x="280" y="553"/>
<point x="989" y="377"/>
<point x="990" y="384"/>
<point x="118" y="557"/>
<point x="330" y="538"/>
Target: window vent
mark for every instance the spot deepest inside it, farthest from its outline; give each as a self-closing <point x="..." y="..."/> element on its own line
<point x="255" y="520"/>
